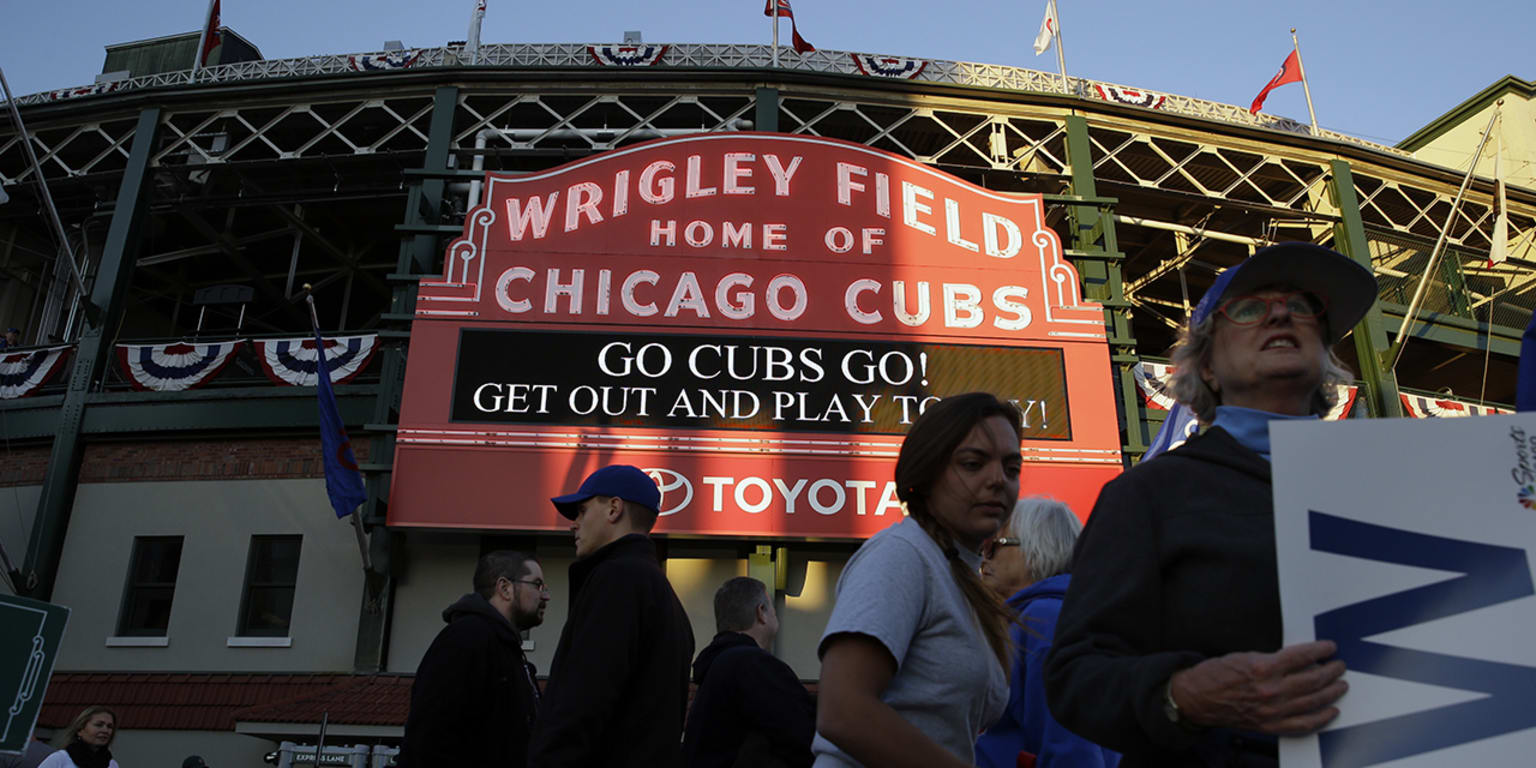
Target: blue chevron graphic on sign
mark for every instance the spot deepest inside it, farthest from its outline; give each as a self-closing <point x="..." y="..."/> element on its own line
<point x="1491" y="574"/>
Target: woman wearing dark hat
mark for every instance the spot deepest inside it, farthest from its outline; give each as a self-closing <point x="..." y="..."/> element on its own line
<point x="86" y="741"/>
<point x="1168" y="648"/>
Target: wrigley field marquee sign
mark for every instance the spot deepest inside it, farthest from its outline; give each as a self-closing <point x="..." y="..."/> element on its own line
<point x="755" y="320"/>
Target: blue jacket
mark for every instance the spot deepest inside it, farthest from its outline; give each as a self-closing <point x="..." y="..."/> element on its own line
<point x="1027" y="724"/>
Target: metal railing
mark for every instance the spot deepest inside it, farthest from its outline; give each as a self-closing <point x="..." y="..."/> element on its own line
<point x="704" y="56"/>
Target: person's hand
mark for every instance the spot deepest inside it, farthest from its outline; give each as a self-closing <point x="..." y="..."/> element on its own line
<point x="1290" y="691"/>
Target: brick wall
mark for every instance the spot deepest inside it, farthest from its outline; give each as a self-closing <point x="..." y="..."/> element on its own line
<point x="24" y="466"/>
<point x="258" y="459"/>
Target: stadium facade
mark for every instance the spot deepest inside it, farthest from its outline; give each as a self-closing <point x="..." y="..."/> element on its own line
<point x="216" y="601"/>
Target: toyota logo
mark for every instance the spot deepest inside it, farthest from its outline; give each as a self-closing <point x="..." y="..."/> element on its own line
<point x="672" y="485"/>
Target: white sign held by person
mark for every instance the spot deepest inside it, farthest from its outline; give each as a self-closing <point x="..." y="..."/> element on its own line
<point x="1408" y="542"/>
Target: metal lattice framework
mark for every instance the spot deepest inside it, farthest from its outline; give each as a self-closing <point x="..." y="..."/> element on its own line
<point x="701" y="56"/>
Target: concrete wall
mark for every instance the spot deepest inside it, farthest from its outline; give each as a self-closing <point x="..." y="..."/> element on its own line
<point x="146" y="749"/>
<point x="806" y="606"/>
<point x="18" y="508"/>
<point x="217" y="520"/>
<point x="695" y="575"/>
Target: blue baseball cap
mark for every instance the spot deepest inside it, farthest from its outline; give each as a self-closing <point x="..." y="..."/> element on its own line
<point x="1347" y="289"/>
<point x="621" y="480"/>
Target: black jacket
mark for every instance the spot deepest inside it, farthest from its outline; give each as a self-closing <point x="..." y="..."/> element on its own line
<point x="473" y="700"/>
<point x="747" y="696"/>
<point x="1176" y="565"/>
<point x="618" y="688"/>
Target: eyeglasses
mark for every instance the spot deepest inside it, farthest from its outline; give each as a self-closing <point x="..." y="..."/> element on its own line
<point x="535" y="583"/>
<point x="1252" y="310"/>
<point x="989" y="547"/>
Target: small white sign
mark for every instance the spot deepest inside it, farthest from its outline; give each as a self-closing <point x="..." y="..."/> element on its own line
<point x="1408" y="542"/>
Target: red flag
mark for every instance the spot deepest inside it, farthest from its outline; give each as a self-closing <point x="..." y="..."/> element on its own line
<point x="801" y="46"/>
<point x="1290" y="72"/>
<point x="211" y="36"/>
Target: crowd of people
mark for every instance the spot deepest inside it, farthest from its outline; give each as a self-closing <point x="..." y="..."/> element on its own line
<point x="1151" y="639"/>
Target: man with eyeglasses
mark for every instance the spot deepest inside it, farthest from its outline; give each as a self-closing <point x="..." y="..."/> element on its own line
<point x="475" y="696"/>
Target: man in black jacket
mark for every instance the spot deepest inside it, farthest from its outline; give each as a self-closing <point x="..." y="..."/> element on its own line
<point x="618" y="688"/>
<point x="474" y="698"/>
<point x="750" y="707"/>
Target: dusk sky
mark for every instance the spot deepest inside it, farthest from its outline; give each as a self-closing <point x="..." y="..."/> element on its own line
<point x="1375" y="73"/>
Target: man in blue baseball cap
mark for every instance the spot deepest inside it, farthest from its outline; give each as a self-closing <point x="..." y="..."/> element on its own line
<point x="618" y="687"/>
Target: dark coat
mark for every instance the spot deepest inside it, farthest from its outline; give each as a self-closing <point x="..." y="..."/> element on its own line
<point x="473" y="701"/>
<point x="1175" y="566"/>
<point x="745" y="693"/>
<point x="618" y="689"/>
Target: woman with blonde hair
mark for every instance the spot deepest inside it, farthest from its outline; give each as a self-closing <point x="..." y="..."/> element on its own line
<point x="85" y="741"/>
<point x="915" y="655"/>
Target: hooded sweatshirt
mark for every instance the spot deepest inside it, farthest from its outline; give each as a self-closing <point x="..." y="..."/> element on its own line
<point x="749" y="704"/>
<point x="474" y="698"/>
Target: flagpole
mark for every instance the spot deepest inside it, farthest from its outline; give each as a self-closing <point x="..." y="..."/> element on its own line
<point x="1396" y="352"/>
<point x="324" y="369"/>
<point x="1061" y="52"/>
<point x="1296" y="46"/>
<point x="202" y="40"/>
<point x="775" y="33"/>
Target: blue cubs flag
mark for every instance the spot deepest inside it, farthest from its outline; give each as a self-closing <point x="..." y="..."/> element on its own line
<point x="343" y="484"/>
<point x="1525" y="383"/>
<point x="1180" y="425"/>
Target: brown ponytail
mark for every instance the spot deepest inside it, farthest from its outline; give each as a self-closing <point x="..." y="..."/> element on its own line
<point x="925" y="454"/>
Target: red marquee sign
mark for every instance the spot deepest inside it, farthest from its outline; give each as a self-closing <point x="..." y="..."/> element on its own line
<point x="754" y="319"/>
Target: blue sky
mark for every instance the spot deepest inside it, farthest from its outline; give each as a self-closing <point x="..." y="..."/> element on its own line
<point x="1375" y="73"/>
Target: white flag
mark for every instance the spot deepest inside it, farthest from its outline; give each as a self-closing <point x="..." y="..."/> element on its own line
<point x="472" y="45"/>
<point x="1499" y="251"/>
<point x="1049" y="28"/>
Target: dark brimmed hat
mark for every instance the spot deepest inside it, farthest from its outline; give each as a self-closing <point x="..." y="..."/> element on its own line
<point x="621" y="480"/>
<point x="1347" y="289"/>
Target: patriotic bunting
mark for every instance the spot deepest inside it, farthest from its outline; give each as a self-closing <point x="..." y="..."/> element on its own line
<point x="292" y="362"/>
<point x="23" y="372"/>
<point x="889" y="66"/>
<point x="84" y="90"/>
<point x="627" y="55"/>
<point x="1153" y="380"/>
<point x="173" y="367"/>
<point x="1422" y="407"/>
<point x="1132" y="96"/>
<point x="383" y="61"/>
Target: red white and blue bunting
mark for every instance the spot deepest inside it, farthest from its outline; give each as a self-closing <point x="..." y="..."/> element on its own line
<point x="889" y="66"/>
<point x="627" y="55"/>
<point x="1422" y="407"/>
<point x="379" y="62"/>
<point x="1153" y="379"/>
<point x="174" y="367"/>
<point x="25" y="371"/>
<point x="292" y="362"/>
<point x="1132" y="96"/>
<point x="84" y="90"/>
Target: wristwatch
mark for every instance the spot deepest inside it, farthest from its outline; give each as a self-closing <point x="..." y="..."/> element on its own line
<point x="1171" y="707"/>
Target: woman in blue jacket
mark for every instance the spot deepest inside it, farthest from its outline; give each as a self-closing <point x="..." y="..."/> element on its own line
<point x="1029" y="565"/>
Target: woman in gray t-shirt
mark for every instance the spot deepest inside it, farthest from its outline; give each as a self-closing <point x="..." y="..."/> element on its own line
<point x="914" y="657"/>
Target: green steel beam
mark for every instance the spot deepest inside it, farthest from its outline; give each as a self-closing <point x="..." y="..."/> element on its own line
<point x="113" y="275"/>
<point x="767" y="117"/>
<point x="259" y="408"/>
<point x="1095" y="250"/>
<point x="1370" y="334"/>
<point x="1455" y="331"/>
<point x="421" y="255"/>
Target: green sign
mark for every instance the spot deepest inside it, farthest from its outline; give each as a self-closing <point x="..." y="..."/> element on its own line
<point x="30" y="632"/>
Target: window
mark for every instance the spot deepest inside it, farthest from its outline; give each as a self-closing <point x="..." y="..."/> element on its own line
<point x="151" y="585"/>
<point x="270" y="577"/>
